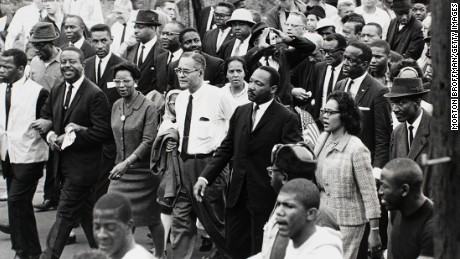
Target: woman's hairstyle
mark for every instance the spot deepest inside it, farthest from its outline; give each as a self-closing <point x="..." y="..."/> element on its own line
<point x="235" y="58"/>
<point x="130" y="67"/>
<point x="350" y="116"/>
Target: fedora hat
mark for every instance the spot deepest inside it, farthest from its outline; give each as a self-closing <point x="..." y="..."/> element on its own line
<point x="147" y="17"/>
<point x="406" y="87"/>
<point x="296" y="160"/>
<point x="256" y="31"/>
<point x="241" y="15"/>
<point x="43" y="32"/>
<point x="401" y="5"/>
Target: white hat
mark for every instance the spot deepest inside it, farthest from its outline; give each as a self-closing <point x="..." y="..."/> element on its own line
<point x="241" y="15"/>
<point x="323" y="23"/>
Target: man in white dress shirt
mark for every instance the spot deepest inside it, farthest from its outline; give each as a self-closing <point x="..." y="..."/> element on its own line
<point x="123" y="28"/>
<point x="89" y="10"/>
<point x="372" y="13"/>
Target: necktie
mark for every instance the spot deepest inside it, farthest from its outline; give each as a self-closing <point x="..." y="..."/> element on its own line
<point x="123" y="33"/>
<point x="411" y="135"/>
<point x="187" y="122"/>
<point x="220" y="39"/>
<point x="238" y="48"/>
<point x="67" y="98"/>
<point x="331" y="82"/>
<point x="141" y="57"/>
<point x="170" y="58"/>
<point x="8" y="101"/>
<point x="266" y="62"/>
<point x="254" y="116"/>
<point x="99" y="72"/>
<point x="349" y="87"/>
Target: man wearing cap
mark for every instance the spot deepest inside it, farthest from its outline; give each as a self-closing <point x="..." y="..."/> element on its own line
<point x="213" y="39"/>
<point x="277" y="16"/>
<point x="145" y="52"/>
<point x="325" y="27"/>
<point x="412" y="137"/>
<point x="405" y="34"/>
<point x="241" y="23"/>
<point x="372" y="13"/>
<point x="291" y="161"/>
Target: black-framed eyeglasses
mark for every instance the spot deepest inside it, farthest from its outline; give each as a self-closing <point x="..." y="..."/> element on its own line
<point x="186" y="72"/>
<point x="168" y="33"/>
<point x="330" y="51"/>
<point x="119" y="81"/>
<point x="329" y="112"/>
<point x="171" y="103"/>
<point x="272" y="169"/>
<point x="221" y="15"/>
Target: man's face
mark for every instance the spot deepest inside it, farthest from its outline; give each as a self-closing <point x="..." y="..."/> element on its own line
<point x="170" y="9"/>
<point x="404" y="17"/>
<point x="101" y="41"/>
<point x="52" y="6"/>
<point x="221" y="15"/>
<point x="419" y="11"/>
<point x="349" y="32"/>
<point x="333" y="56"/>
<point x="138" y="4"/>
<point x="325" y="31"/>
<point x="369" y="34"/>
<point x="170" y="37"/>
<point x="405" y="109"/>
<point x="312" y="20"/>
<point x="353" y="66"/>
<point x="121" y="13"/>
<point x="284" y="4"/>
<point x="291" y="215"/>
<point x="295" y="26"/>
<point x="191" y="41"/>
<point x="73" y="29"/>
<point x="191" y="76"/>
<point x="110" y="233"/>
<point x="391" y="193"/>
<point x="43" y="50"/>
<point x="241" y="30"/>
<point x="379" y="61"/>
<point x="71" y="66"/>
<point x="9" y="73"/>
<point x="259" y="90"/>
<point x="346" y="10"/>
<point x="143" y="33"/>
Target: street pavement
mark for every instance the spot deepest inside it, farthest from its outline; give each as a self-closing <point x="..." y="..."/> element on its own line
<point x="45" y="221"/>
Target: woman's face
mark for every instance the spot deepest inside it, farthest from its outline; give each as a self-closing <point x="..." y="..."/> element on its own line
<point x="172" y="104"/>
<point x="124" y="83"/>
<point x="235" y="73"/>
<point x="331" y="122"/>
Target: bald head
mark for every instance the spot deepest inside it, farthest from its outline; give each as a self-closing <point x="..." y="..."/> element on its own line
<point x="405" y="171"/>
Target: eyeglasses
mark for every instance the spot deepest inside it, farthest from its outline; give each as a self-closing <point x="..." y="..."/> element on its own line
<point x="171" y="103"/>
<point x="221" y="15"/>
<point x="328" y="112"/>
<point x="180" y="71"/>
<point x="119" y="81"/>
<point x="330" y="51"/>
<point x="293" y="25"/>
<point x="351" y="60"/>
<point x="272" y="169"/>
<point x="169" y="34"/>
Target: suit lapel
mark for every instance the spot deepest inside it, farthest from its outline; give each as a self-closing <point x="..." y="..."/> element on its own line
<point x="420" y="138"/>
<point x="91" y="75"/>
<point x="363" y="88"/>
<point x="403" y="143"/>
<point x="76" y="98"/>
<point x="106" y="71"/>
<point x="59" y="107"/>
<point x="266" y="117"/>
<point x="152" y="55"/>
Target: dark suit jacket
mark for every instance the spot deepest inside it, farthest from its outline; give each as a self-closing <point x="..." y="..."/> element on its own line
<point x="79" y="163"/>
<point x="407" y="42"/>
<point x="148" y="81"/>
<point x="214" y="73"/>
<point x="162" y="72"/>
<point x="202" y="20"/>
<point x="210" y="40"/>
<point x="107" y="76"/>
<point x="251" y="152"/>
<point x="226" y="48"/>
<point x="316" y="84"/>
<point x="376" y="120"/>
<point x="86" y="47"/>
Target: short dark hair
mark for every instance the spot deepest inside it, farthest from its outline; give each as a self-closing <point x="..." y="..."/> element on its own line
<point x="376" y="25"/>
<point x="128" y="66"/>
<point x="184" y="31"/>
<point x="381" y="44"/>
<point x="236" y="58"/>
<point x="406" y="171"/>
<point x="118" y="203"/>
<point x="305" y="192"/>
<point x="396" y="69"/>
<point x="274" y="75"/>
<point x="179" y="24"/>
<point x="101" y="27"/>
<point x="86" y="32"/>
<point x="197" y="57"/>
<point x="357" y="20"/>
<point x="161" y="3"/>
<point x="19" y="57"/>
<point x="350" y="116"/>
<point x="75" y="49"/>
<point x="228" y="5"/>
<point x="341" y="41"/>
<point x="366" y="54"/>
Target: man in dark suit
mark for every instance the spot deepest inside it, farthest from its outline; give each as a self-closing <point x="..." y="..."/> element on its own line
<point x="254" y="129"/>
<point x="80" y="106"/>
<point x="405" y="34"/>
<point x="74" y="28"/>
<point x="145" y="52"/>
<point x="214" y="38"/>
<point x="205" y="20"/>
<point x="327" y="73"/>
<point x="99" y="69"/>
<point x="190" y="41"/>
<point x="411" y="138"/>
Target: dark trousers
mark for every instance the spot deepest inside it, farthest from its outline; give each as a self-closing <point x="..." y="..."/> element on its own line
<point x="75" y="206"/>
<point x="109" y="153"/>
<point x="244" y="228"/>
<point x="21" y="181"/>
<point x="187" y="209"/>
<point x="51" y="188"/>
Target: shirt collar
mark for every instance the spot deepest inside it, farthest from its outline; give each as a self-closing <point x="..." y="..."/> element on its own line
<point x="264" y="106"/>
<point x="199" y="92"/>
<point x="77" y="83"/>
<point x="357" y="81"/>
<point x="20" y="81"/>
<point x="149" y="44"/>
<point x="177" y="54"/>
<point x="338" y="67"/>
<point x="78" y="43"/>
<point x="342" y="142"/>
<point x="104" y="59"/>
<point x="416" y="123"/>
<point x="244" y="91"/>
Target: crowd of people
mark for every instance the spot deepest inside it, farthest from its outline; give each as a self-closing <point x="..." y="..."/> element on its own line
<point x="295" y="133"/>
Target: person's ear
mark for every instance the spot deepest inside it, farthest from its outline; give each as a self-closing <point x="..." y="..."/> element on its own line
<point x="311" y="214"/>
<point x="405" y="188"/>
<point x="273" y="89"/>
<point x="284" y="178"/>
